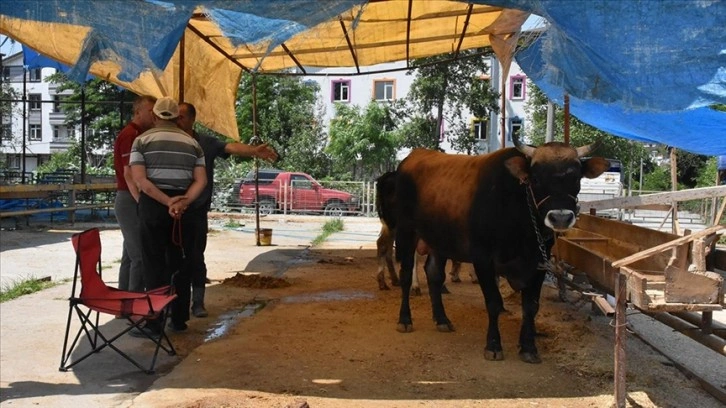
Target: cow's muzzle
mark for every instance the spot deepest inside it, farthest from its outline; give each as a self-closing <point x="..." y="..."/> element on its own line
<point x="560" y="220"/>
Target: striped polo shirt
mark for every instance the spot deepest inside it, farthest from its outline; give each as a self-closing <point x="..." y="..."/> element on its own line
<point x="170" y="156"/>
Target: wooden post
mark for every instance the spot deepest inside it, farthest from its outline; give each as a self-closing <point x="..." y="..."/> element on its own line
<point x="620" y="333"/>
<point x="674" y="187"/>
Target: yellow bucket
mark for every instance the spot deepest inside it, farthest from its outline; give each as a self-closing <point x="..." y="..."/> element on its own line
<point x="265" y="236"/>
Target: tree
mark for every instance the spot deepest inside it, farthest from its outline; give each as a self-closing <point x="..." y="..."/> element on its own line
<point x="630" y="153"/>
<point x="103" y="106"/>
<point x="287" y="118"/>
<point x="445" y="88"/>
<point x="363" y="142"/>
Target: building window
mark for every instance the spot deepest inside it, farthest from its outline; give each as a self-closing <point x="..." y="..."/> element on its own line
<point x="384" y="90"/>
<point x="13" y="161"/>
<point x="479" y="129"/>
<point x="56" y="133"/>
<point x="6" y="74"/>
<point x="340" y="91"/>
<point x="34" y="75"/>
<point x="6" y="132"/>
<point x="57" y="103"/>
<point x="515" y="126"/>
<point x="34" y="101"/>
<point x="36" y="133"/>
<point x="517" y="87"/>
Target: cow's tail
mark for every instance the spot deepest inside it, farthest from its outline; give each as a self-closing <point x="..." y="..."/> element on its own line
<point x="386" y="199"/>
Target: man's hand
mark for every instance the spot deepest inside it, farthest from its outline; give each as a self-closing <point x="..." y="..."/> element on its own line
<point x="265" y="152"/>
<point x="177" y="206"/>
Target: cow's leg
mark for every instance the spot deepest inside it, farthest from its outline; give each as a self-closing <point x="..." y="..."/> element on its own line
<point x="415" y="286"/>
<point x="494" y="303"/>
<point x="530" y="307"/>
<point x="435" y="276"/>
<point x="391" y="267"/>
<point x="455" y="269"/>
<point x="405" y="248"/>
<point x="384" y="245"/>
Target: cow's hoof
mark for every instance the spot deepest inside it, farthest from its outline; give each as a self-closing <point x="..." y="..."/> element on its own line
<point x="445" y="327"/>
<point x="396" y="284"/>
<point x="383" y="287"/>
<point x="445" y="290"/>
<point x="456" y="279"/>
<point x="416" y="291"/>
<point x="404" y="328"/>
<point x="529" y="357"/>
<point x="494" y="355"/>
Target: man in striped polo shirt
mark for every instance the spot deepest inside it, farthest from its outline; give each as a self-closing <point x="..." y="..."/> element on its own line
<point x="168" y="167"/>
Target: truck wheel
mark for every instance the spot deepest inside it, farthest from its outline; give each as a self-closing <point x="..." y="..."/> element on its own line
<point x="335" y="209"/>
<point x="267" y="207"/>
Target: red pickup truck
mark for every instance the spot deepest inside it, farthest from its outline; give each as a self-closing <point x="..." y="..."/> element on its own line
<point x="295" y="192"/>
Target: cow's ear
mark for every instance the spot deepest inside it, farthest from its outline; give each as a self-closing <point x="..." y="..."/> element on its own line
<point x="517" y="166"/>
<point x="594" y="167"/>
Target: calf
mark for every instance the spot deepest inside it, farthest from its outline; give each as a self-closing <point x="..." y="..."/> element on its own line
<point x="497" y="211"/>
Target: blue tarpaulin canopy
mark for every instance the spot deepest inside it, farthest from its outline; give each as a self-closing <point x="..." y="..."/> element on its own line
<point x="641" y="69"/>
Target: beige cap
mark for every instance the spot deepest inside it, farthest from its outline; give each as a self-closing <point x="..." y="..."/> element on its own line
<point x="166" y="108"/>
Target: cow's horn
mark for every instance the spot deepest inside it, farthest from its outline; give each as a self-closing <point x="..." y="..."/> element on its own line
<point x="527" y="150"/>
<point x="583" y="151"/>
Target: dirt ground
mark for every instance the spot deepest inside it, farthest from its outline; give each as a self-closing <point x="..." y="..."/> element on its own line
<point x="326" y="337"/>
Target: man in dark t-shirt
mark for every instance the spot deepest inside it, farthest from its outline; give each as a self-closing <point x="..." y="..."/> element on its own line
<point x="213" y="148"/>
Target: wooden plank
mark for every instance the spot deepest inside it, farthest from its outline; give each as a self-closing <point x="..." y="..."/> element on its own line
<point x="668" y="245"/>
<point x="692" y="287"/>
<point x="657" y="198"/>
<point x="637" y="288"/>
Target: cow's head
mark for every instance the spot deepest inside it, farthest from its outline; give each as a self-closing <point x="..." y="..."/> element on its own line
<point x="553" y="171"/>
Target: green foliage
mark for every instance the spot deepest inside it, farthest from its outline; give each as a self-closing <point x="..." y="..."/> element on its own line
<point x="22" y="287"/>
<point x="363" y="143"/>
<point x="443" y="89"/>
<point x="708" y="174"/>
<point x="629" y="153"/>
<point x="330" y="227"/>
<point x="287" y="118"/>
<point x="657" y="180"/>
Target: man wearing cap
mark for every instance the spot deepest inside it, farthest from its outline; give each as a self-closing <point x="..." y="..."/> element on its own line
<point x="213" y="148"/>
<point x="167" y="165"/>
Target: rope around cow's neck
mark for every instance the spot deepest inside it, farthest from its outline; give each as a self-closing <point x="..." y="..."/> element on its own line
<point x="545" y="264"/>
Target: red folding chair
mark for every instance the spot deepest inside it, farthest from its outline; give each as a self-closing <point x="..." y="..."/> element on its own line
<point x="96" y="296"/>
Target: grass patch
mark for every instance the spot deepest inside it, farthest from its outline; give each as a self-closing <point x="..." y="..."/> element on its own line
<point x="232" y="223"/>
<point x="330" y="227"/>
<point x="24" y="287"/>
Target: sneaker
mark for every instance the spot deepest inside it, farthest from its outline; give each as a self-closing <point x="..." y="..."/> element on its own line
<point x="177" y="327"/>
<point x="198" y="310"/>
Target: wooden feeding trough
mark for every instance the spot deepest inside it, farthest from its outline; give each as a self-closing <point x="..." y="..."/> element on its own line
<point x="654" y="264"/>
<point x="660" y="273"/>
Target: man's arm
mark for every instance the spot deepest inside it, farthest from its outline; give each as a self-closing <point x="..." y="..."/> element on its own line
<point x="133" y="188"/>
<point x="179" y="204"/>
<point x="263" y="151"/>
<point x="138" y="174"/>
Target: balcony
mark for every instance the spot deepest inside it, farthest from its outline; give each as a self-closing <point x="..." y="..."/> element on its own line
<point x="60" y="144"/>
<point x="57" y="118"/>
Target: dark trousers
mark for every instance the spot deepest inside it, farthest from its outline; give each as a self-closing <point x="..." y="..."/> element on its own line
<point x="199" y="271"/>
<point x="167" y="251"/>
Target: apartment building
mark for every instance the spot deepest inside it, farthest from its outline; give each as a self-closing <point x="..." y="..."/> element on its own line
<point x="38" y="125"/>
<point x="391" y="82"/>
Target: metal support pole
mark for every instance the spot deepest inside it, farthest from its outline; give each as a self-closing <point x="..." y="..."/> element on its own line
<point x="550" y="133"/>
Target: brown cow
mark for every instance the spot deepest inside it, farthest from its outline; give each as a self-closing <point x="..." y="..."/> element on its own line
<point x="498" y="211"/>
<point x="385" y="200"/>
